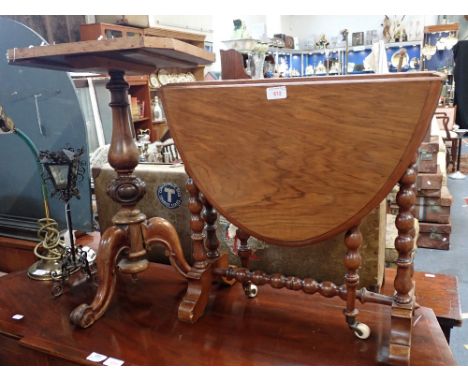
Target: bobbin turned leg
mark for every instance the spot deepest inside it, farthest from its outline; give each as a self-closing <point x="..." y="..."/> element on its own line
<point x="244" y="252"/>
<point x="205" y="253"/>
<point x="215" y="259"/>
<point x="210" y="216"/>
<point x="199" y="277"/>
<point x="352" y="261"/>
<point x="403" y="300"/>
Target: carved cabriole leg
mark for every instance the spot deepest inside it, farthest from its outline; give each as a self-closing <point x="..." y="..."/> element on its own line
<point x="127" y="190"/>
<point x="244" y="252"/>
<point x="159" y="230"/>
<point x="200" y="276"/>
<point x="352" y="262"/>
<point x="403" y="301"/>
<point x="113" y="242"/>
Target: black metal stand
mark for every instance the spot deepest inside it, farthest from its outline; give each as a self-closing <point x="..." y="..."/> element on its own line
<point x="75" y="259"/>
<point x="70" y="230"/>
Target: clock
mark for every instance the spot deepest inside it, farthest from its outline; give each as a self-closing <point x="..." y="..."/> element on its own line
<point x="153" y="80"/>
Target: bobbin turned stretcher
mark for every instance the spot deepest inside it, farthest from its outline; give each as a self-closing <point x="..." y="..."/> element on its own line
<point x="295" y="162"/>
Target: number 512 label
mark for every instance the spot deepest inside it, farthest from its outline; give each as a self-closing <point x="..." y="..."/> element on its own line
<point x="277" y="92"/>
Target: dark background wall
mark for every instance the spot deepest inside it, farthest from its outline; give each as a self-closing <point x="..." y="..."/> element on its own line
<point x="56" y="29"/>
<point x="61" y="123"/>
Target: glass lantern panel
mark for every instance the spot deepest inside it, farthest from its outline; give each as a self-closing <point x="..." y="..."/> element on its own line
<point x="59" y="173"/>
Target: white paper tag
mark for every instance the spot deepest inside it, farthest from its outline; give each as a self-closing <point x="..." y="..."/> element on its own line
<point x="113" y="362"/>
<point x="277" y="92"/>
<point x="17" y="317"/>
<point x="96" y="357"/>
<point x="429" y="275"/>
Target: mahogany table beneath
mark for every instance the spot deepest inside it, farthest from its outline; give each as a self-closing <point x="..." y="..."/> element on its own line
<point x="437" y="291"/>
<point x="279" y="327"/>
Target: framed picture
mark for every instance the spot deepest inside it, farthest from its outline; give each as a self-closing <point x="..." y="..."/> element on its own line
<point x="358" y="38"/>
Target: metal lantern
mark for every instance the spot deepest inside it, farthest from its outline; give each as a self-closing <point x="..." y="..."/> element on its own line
<point x="64" y="169"/>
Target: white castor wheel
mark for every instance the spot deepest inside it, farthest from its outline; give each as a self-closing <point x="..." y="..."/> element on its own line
<point x="251" y="290"/>
<point x="362" y="331"/>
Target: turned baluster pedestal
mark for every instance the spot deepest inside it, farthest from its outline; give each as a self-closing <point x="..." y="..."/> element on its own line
<point x="123" y="246"/>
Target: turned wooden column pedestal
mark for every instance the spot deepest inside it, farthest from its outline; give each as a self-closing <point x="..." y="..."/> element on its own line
<point x="123" y="246"/>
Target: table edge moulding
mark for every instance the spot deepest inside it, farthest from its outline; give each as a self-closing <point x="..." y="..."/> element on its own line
<point x="124" y="244"/>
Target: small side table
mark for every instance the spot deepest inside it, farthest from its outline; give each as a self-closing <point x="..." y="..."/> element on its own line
<point x="458" y="174"/>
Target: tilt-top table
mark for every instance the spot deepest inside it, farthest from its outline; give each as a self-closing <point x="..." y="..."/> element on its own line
<point x="124" y="243"/>
<point x="291" y="162"/>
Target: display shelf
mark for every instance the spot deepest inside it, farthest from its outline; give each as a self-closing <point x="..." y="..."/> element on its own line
<point x="299" y="60"/>
<point x="139" y="89"/>
<point x="355" y="48"/>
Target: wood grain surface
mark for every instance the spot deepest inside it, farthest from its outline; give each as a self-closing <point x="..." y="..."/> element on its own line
<point x="299" y="170"/>
<point x="436" y="291"/>
<point x="141" y="327"/>
<point x="140" y="54"/>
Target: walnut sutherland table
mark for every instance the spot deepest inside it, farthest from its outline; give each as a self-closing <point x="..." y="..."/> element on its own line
<point x="295" y="162"/>
<point x="289" y="161"/>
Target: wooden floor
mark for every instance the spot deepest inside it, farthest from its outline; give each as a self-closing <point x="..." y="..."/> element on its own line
<point x="279" y="327"/>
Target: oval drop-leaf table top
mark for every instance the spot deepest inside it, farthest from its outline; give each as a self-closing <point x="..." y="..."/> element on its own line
<point x="305" y="167"/>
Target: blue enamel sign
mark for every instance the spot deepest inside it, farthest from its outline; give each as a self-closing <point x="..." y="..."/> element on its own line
<point x="170" y="195"/>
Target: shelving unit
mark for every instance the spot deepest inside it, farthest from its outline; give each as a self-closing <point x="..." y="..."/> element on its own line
<point x="300" y="59"/>
<point x="442" y="60"/>
<point x="139" y="90"/>
<point x="139" y="85"/>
